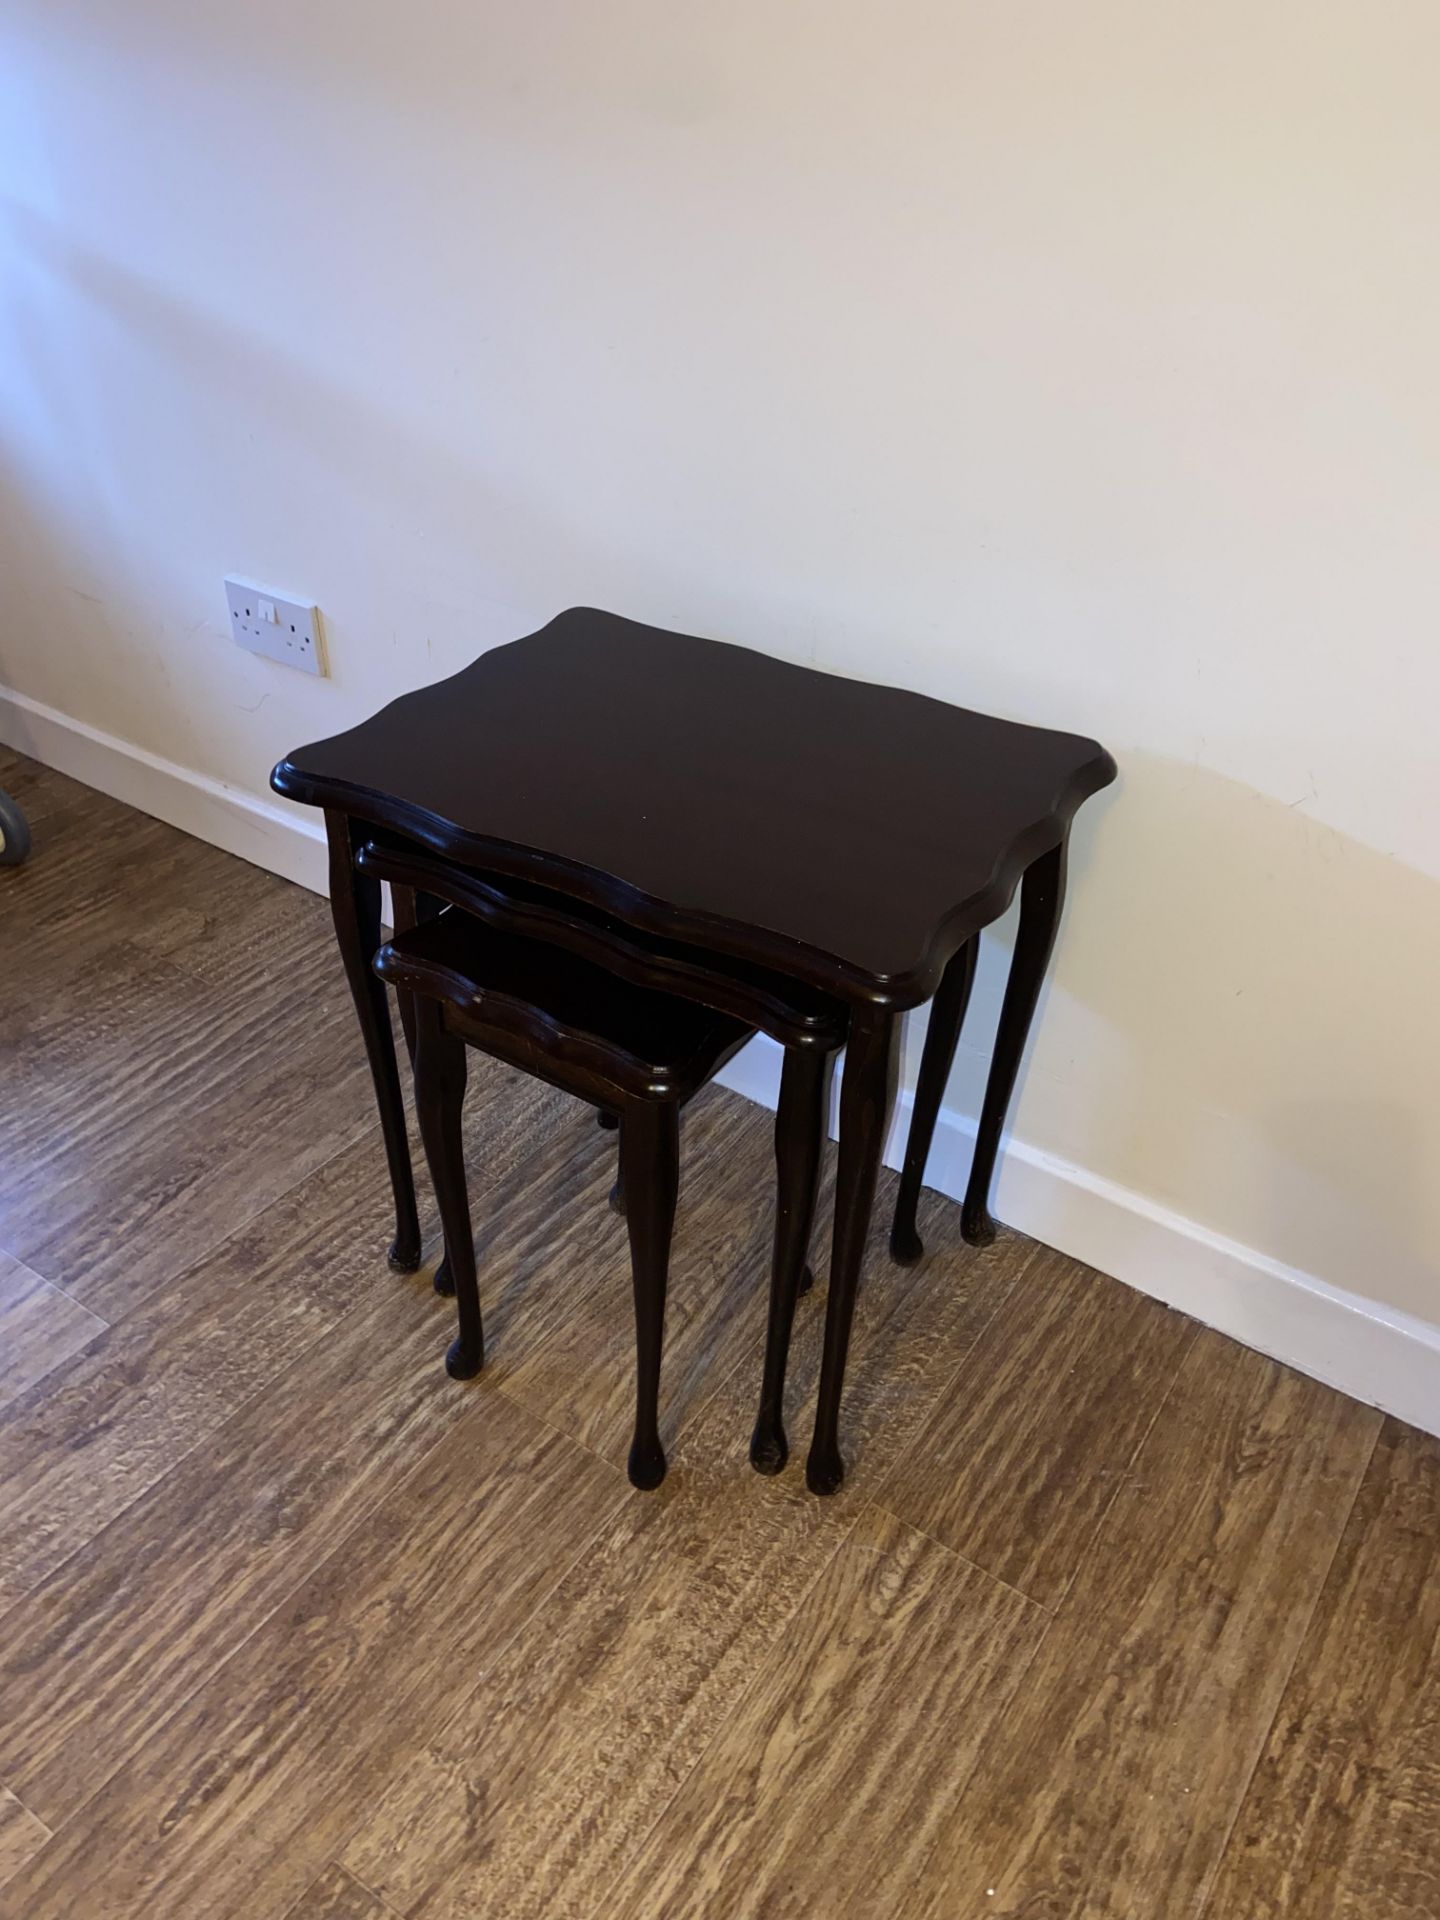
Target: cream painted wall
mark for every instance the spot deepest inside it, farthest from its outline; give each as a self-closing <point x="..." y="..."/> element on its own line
<point x="1078" y="363"/>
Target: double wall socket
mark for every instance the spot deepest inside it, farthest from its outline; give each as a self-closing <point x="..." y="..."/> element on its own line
<point x="284" y="630"/>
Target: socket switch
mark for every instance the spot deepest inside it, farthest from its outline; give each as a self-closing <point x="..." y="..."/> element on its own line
<point x="284" y="630"/>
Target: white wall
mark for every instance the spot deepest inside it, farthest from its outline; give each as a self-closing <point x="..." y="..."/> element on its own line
<point x="1077" y="363"/>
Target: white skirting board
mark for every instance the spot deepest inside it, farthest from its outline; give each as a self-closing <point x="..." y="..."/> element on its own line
<point x="1372" y="1352"/>
<point x="286" y="840"/>
<point x="1375" y="1353"/>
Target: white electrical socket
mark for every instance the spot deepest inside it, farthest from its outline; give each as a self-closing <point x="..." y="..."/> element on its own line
<point x="284" y="630"/>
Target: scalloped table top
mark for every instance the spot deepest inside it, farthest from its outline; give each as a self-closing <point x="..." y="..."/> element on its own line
<point x="853" y="835"/>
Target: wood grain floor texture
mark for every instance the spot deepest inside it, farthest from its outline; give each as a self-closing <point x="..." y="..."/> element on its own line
<point x="1112" y="1618"/>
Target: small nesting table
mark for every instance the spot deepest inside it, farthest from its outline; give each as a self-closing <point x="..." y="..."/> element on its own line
<point x="854" y="838"/>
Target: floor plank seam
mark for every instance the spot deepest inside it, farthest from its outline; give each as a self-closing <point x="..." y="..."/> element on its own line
<point x="1092" y="1546"/>
<point x="553" y="1426"/>
<point x="6" y="1254"/>
<point x="21" y="1801"/>
<point x="1135" y="1452"/>
<point x="497" y="1652"/>
<point x="206" y="1253"/>
<point x="896" y="1469"/>
<point x="602" y="1910"/>
<point x="750" y="1358"/>
<point x="209" y="1253"/>
<point x="1022" y="1677"/>
<point x="333" y="1866"/>
<point x="1052" y="1618"/>
<point x="183" y="1071"/>
<point x="384" y="1905"/>
<point x="954" y="1553"/>
<point x="205" y="1440"/>
<point x="1206" y="1891"/>
<point x="304" y="1574"/>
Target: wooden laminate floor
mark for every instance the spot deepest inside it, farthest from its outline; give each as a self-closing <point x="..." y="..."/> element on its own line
<point x="1112" y="1618"/>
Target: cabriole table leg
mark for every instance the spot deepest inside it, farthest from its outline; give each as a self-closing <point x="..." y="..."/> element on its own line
<point x="355" y="909"/>
<point x="1042" y="894"/>
<point x="867" y="1092"/>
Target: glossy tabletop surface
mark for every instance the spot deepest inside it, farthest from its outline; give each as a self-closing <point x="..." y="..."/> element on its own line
<point x="852" y="834"/>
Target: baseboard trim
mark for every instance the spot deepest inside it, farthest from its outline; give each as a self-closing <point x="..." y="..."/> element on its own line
<point x="1374" y="1353"/>
<point x="264" y="832"/>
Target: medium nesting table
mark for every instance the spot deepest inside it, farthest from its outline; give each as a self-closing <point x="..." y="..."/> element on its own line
<point x="851" y="837"/>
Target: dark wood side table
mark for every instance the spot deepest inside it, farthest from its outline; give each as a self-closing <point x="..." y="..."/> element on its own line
<point x="853" y="837"/>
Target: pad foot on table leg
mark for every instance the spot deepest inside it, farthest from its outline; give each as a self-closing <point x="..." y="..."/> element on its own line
<point x="646" y="1465"/>
<point x="769" y="1449"/>
<point x="462" y="1362"/>
<point x="824" y="1471"/>
<point x="444" y="1281"/>
<point x="906" y="1247"/>
<point x="404" y="1254"/>
<point x="977" y="1226"/>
